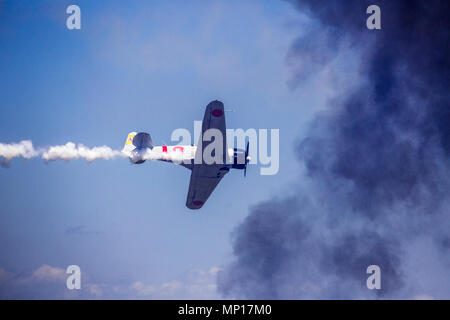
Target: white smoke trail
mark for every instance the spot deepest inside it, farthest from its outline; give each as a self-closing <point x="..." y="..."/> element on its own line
<point x="22" y="149"/>
<point x="69" y="151"/>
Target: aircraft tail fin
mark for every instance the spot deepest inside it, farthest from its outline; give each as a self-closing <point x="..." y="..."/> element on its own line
<point x="128" y="147"/>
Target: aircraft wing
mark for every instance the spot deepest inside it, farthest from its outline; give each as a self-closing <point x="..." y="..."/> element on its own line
<point x="205" y="177"/>
<point x="214" y="118"/>
<point x="200" y="188"/>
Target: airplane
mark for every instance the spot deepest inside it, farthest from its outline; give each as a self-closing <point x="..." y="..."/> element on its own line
<point x="204" y="177"/>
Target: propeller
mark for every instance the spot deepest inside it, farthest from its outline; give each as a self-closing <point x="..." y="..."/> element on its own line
<point x="247" y="160"/>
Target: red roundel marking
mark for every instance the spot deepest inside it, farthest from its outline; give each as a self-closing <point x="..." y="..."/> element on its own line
<point x="178" y="148"/>
<point x="217" y="113"/>
<point x="197" y="203"/>
<point x="164" y="148"/>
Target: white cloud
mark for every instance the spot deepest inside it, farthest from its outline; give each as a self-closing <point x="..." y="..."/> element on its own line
<point x="46" y="273"/>
<point x="95" y="290"/>
<point x="142" y="289"/>
<point x="196" y="284"/>
<point x="48" y="282"/>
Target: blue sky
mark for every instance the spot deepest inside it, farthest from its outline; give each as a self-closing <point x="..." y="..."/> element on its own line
<point x="137" y="66"/>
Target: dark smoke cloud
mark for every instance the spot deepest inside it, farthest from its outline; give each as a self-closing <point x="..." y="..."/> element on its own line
<point x="378" y="162"/>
